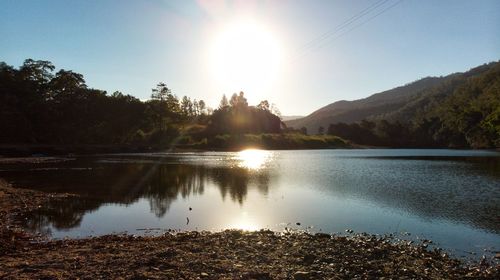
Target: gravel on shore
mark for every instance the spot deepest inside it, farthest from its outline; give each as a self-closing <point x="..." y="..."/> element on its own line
<point x="230" y="254"/>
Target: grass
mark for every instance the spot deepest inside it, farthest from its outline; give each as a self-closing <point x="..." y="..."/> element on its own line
<point x="269" y="141"/>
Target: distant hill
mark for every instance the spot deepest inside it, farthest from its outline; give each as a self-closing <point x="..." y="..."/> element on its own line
<point x="290" y="118"/>
<point x="404" y="104"/>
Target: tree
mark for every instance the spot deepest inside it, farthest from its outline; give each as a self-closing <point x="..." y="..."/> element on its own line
<point x="202" y="107"/>
<point x="263" y="105"/>
<point x="164" y="107"/>
<point x="210" y="110"/>
<point x="196" y="108"/>
<point x="117" y="94"/>
<point x="38" y="106"/>
<point x="234" y="100"/>
<point x="67" y="82"/>
<point x="241" y="118"/>
<point x="185" y="105"/>
<point x="275" y="110"/>
<point x="173" y="105"/>
<point x="161" y="92"/>
<point x="242" y="101"/>
<point x="39" y="71"/>
<point x="223" y="102"/>
<point x="238" y="100"/>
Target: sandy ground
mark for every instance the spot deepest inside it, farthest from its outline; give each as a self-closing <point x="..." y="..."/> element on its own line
<point x="214" y="255"/>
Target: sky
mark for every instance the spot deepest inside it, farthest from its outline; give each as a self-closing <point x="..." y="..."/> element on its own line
<point x="299" y="54"/>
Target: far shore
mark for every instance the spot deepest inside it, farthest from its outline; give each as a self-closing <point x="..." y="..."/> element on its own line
<point x="61" y="150"/>
<point x="33" y="150"/>
<point x="230" y="254"/>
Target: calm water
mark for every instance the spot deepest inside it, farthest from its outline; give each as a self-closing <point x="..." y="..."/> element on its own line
<point x="449" y="196"/>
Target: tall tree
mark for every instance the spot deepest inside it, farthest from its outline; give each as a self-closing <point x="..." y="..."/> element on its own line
<point x="223" y="102"/>
<point x="202" y="107"/>
<point x="161" y="92"/>
<point x="185" y="105"/>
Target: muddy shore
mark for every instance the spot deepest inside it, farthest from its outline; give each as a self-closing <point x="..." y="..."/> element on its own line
<point x="217" y="255"/>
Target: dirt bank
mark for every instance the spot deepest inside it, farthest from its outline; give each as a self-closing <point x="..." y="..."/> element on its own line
<point x="220" y="255"/>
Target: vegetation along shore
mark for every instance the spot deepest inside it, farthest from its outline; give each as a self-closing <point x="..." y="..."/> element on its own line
<point x="47" y="112"/>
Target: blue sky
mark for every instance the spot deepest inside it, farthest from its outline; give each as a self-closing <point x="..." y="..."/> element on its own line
<point x="130" y="45"/>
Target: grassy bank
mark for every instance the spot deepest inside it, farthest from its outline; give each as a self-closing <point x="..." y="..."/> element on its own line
<point x="214" y="255"/>
<point x="226" y="142"/>
<point x="283" y="141"/>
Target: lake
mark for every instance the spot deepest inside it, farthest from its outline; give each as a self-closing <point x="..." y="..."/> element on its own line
<point x="449" y="196"/>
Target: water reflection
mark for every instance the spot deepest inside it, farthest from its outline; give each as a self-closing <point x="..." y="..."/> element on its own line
<point x="455" y="189"/>
<point x="253" y="189"/>
<point x="253" y="159"/>
<point x="244" y="222"/>
<point x="61" y="215"/>
<point x="126" y="183"/>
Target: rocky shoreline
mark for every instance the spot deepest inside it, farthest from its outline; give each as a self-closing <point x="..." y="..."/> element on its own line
<point x="229" y="254"/>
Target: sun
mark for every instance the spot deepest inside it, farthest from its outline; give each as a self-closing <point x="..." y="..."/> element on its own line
<point x="246" y="56"/>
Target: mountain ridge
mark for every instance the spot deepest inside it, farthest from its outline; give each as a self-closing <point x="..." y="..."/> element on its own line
<point x="393" y="104"/>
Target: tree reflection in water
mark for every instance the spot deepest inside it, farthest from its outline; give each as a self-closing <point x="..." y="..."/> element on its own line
<point x="450" y="189"/>
<point x="126" y="183"/>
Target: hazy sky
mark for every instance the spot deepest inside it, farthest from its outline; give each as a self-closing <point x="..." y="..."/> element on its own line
<point x="202" y="48"/>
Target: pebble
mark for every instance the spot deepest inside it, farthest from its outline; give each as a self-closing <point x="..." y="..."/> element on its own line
<point x="301" y="275"/>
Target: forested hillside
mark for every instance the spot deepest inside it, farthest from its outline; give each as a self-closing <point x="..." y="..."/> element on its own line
<point x="459" y="110"/>
<point x="357" y="110"/>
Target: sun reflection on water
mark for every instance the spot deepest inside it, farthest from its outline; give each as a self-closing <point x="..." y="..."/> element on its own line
<point x="253" y="159"/>
<point x="244" y="222"/>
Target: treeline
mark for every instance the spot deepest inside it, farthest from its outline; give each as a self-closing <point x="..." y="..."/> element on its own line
<point x="385" y="134"/>
<point x="237" y="117"/>
<point x="39" y="106"/>
<point x="461" y="112"/>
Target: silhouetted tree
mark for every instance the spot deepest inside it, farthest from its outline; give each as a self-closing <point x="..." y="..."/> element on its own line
<point x="161" y="92"/>
<point x="202" y="107"/>
<point x="238" y="100"/>
<point x="264" y="105"/>
<point x="275" y="110"/>
<point x="186" y="106"/>
<point x="39" y="71"/>
<point x="241" y="118"/>
<point x="223" y="102"/>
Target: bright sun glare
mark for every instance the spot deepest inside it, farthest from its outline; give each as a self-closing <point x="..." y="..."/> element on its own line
<point x="253" y="159"/>
<point x="244" y="222"/>
<point x="245" y="56"/>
